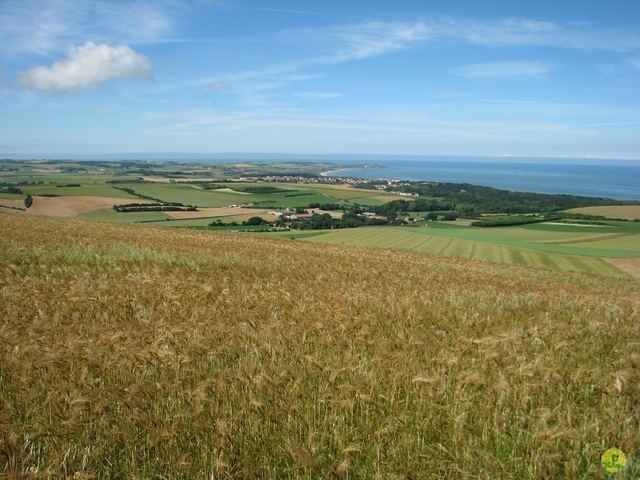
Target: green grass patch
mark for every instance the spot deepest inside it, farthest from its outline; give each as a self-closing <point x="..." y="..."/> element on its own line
<point x="192" y="194"/>
<point x="259" y="189"/>
<point x="11" y="196"/>
<point x="470" y="245"/>
<point x="339" y="193"/>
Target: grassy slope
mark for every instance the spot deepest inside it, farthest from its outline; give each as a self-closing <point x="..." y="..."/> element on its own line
<point x="495" y="245"/>
<point x="142" y="352"/>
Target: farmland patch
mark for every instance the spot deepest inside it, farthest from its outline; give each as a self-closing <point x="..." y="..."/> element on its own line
<point x="222" y="212"/>
<point x="628" y="265"/>
<point x="71" y="206"/>
<point x="628" y="212"/>
<point x="466" y="246"/>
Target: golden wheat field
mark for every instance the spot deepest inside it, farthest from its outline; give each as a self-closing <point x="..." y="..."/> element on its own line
<point x="139" y="352"/>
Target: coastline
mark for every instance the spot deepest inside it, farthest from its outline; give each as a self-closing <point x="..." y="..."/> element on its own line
<point x="602" y="181"/>
<point x="331" y="172"/>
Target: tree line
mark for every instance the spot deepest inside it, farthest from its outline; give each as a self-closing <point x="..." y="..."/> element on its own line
<point x="470" y="200"/>
<point x="154" y="207"/>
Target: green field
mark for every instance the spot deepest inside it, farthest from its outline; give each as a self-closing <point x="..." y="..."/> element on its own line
<point x="565" y="246"/>
<point x="300" y="196"/>
<point x="525" y="246"/>
<point x="11" y="196"/>
<point x="339" y="193"/>
<point x="189" y="194"/>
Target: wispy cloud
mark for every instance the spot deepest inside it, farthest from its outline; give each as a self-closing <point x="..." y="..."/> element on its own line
<point x="516" y="32"/>
<point x="44" y="27"/>
<point x="86" y="66"/>
<point x="331" y="46"/>
<point x="371" y="120"/>
<point x="345" y="43"/>
<point x="220" y="86"/>
<point x="371" y="38"/>
<point x="504" y="69"/>
<point x="136" y="22"/>
<point x="501" y="33"/>
<point x="285" y="10"/>
<point x="35" y="27"/>
<point x="318" y="95"/>
<point x="376" y="38"/>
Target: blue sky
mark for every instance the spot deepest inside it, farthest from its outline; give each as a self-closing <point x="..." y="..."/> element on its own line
<point x="544" y="78"/>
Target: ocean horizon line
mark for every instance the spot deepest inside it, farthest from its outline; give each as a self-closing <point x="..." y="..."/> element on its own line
<point x="316" y="157"/>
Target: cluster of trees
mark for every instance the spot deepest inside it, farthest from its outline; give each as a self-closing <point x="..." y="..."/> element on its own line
<point x="10" y="189"/>
<point x="322" y="221"/>
<point x="220" y="223"/>
<point x="298" y="194"/>
<point x="327" y="206"/>
<point x="14" y="187"/>
<point x="397" y="208"/>
<point x="509" y="221"/>
<point x="253" y="221"/>
<point x="25" y="183"/>
<point x="154" y="207"/>
<point x="472" y="200"/>
<point x="136" y="180"/>
<point x="393" y="209"/>
<point x="213" y="186"/>
<point x="131" y="191"/>
<point x="318" y="221"/>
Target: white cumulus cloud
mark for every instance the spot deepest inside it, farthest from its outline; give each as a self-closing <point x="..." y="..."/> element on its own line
<point x="86" y="66"/>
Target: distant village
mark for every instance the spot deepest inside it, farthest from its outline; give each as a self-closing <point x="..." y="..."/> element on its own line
<point x="382" y="184"/>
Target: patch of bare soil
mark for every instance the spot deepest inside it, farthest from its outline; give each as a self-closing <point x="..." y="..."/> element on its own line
<point x="8" y="205"/>
<point x="391" y="198"/>
<point x="220" y="212"/>
<point x="231" y="190"/>
<point x="628" y="265"/>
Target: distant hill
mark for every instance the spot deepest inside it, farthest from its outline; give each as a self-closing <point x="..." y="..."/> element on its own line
<point x="131" y="351"/>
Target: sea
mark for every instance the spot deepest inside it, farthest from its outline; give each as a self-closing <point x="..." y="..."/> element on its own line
<point x="616" y="179"/>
